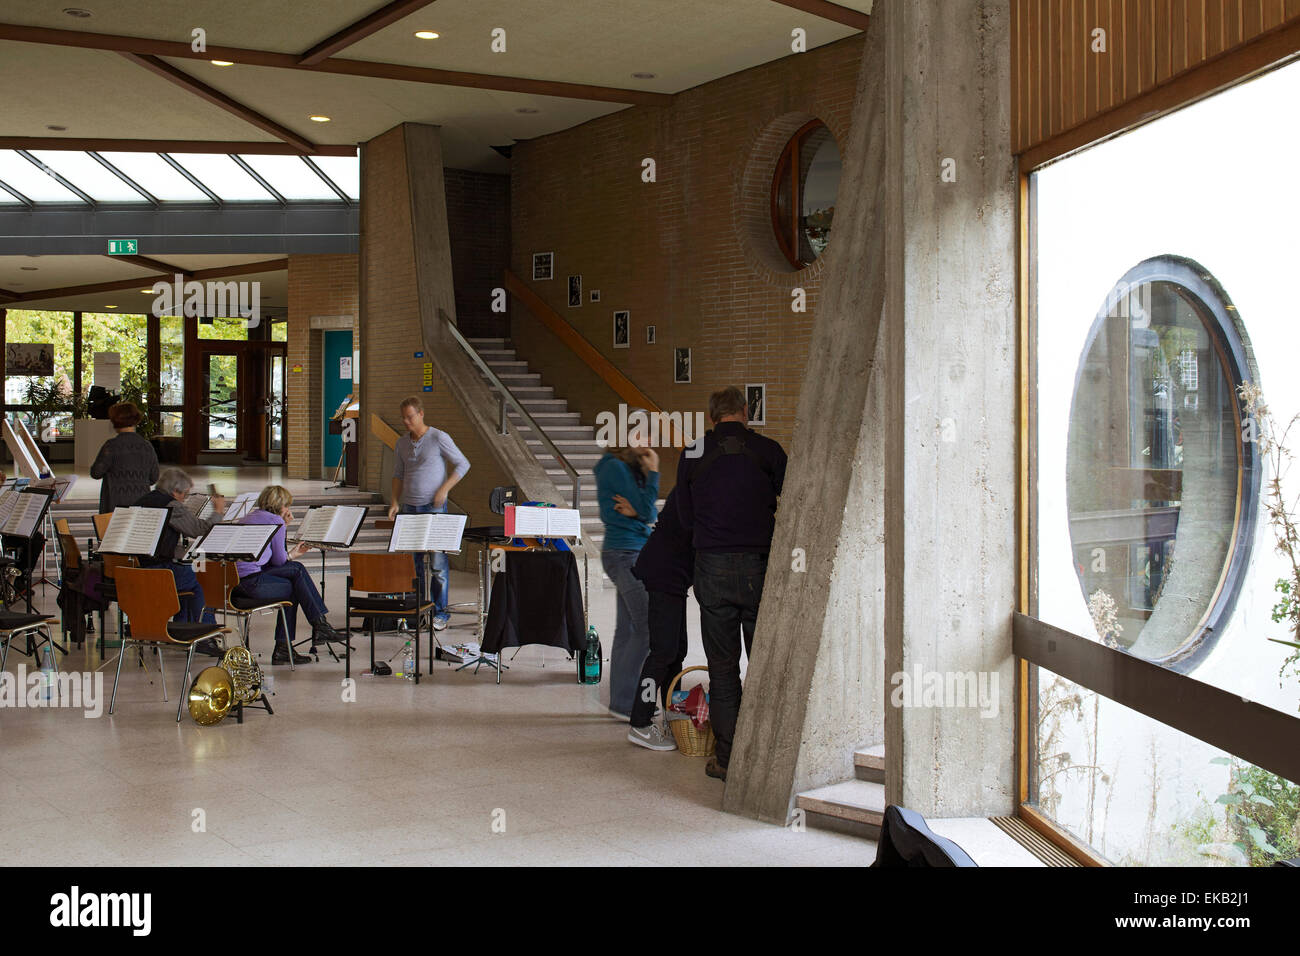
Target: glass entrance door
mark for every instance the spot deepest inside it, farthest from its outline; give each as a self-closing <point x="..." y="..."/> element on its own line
<point x="221" y="402"/>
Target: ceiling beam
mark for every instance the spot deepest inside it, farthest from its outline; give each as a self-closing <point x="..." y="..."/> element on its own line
<point x="168" y="146"/>
<point x="289" y="61"/>
<point x="217" y="98"/>
<point x="6" y="294"/>
<point x="830" y="11"/>
<point x="361" y="29"/>
<point x="252" y="268"/>
<point x="148" y="263"/>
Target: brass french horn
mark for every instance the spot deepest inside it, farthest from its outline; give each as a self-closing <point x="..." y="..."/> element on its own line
<point x="237" y="680"/>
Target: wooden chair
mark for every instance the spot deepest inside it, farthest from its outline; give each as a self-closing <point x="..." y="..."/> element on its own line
<point x="384" y="574"/>
<point x="148" y="598"/>
<point x="218" y="579"/>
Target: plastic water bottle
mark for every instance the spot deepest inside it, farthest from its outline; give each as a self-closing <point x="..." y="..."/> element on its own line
<point x="408" y="662"/>
<point x="591" y="663"/>
<point x="47" y="675"/>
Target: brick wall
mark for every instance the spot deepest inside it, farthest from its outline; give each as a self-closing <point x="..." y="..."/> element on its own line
<point x="692" y="253"/>
<point x="318" y="285"/>
<point x="478" y="219"/>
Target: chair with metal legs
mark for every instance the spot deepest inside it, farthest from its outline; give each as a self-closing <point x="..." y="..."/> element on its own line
<point x="148" y="598"/>
<point x="30" y="626"/>
<point x="383" y="574"/>
<point x="218" y="579"/>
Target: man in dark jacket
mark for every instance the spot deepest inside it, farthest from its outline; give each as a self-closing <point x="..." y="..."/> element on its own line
<point x="727" y="497"/>
<point x="665" y="566"/>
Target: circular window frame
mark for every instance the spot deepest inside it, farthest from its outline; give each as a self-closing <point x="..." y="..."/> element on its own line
<point x="1231" y="343"/>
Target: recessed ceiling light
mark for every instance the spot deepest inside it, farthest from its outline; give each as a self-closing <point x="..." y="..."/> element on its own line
<point x="644" y="76"/>
<point x="110" y="307"/>
<point x="147" y="291"/>
<point x="526" y="109"/>
<point x="77" y="12"/>
<point x="426" y="34"/>
<point x="223" y="62"/>
<point x="320" y="119"/>
<point x="28" y="268"/>
<point x="56" y="129"/>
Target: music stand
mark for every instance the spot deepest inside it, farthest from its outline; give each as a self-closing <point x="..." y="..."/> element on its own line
<point x="21" y="513"/>
<point x="427" y="534"/>
<point x="330" y="528"/>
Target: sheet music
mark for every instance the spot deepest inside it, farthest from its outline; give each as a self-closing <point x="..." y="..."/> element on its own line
<point x="195" y="503"/>
<point x="25" y="513"/>
<point x="428" y="532"/>
<point x="563" y="523"/>
<point x="331" y="524"/>
<point x="530" y="522"/>
<point x="8" y="498"/>
<point x="246" y="541"/>
<point x="134" y="531"/>
<point x="241" y="506"/>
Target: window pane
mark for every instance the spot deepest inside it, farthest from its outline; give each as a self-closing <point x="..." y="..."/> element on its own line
<point x="221" y="327"/>
<point x="279" y="331"/>
<point x="343" y="171"/>
<point x="153" y="173"/>
<point x="88" y="176"/>
<point x="291" y="177"/>
<point x="31" y="182"/>
<point x="123" y="334"/>
<point x="220" y="174"/>
<point x="171" y="368"/>
<point x="38" y="328"/>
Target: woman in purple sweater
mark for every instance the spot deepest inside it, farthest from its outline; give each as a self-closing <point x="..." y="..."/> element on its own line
<point x="278" y="576"/>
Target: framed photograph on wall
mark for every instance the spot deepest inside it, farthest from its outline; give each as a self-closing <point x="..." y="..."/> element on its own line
<point x="622" y="329"/>
<point x="681" y="366"/>
<point x="649" y="335"/>
<point x="595" y="295"/>
<point x="23" y="358"/>
<point x="543" y="266"/>
<point x="756" y="400"/>
<point x="575" y="292"/>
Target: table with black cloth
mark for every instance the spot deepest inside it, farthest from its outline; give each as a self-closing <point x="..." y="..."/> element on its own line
<point x="536" y="599"/>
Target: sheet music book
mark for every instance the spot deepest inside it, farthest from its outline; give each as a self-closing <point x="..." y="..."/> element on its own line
<point x="8" y="498"/>
<point x="432" y="532"/>
<point x="335" y="525"/>
<point x="528" y="521"/>
<point x="234" y="542"/>
<point x="240" y="506"/>
<point x="199" y="505"/>
<point x="134" y="531"/>
<point x="25" y="513"/>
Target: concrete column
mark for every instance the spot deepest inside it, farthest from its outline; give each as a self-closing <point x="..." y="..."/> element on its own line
<point x="901" y="489"/>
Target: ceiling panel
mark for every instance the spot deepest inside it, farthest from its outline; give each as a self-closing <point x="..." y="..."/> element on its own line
<point x="29" y="273"/>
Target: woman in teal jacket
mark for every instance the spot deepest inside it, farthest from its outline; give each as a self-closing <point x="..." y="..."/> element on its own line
<point x="627" y="487"/>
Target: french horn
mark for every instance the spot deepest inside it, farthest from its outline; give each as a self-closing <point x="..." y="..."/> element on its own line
<point x="237" y="680"/>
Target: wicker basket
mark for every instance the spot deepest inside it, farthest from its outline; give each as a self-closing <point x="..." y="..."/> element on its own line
<point x="691" y="741"/>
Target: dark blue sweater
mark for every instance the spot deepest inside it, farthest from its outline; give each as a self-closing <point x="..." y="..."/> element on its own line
<point x="667" y="562"/>
<point x="731" y="507"/>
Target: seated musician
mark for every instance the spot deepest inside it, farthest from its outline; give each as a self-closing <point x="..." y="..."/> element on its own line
<point x="170" y="492"/>
<point x="278" y="576"/>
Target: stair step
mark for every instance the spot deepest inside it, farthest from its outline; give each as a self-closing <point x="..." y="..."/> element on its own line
<point x="869" y="763"/>
<point x="856" y="806"/>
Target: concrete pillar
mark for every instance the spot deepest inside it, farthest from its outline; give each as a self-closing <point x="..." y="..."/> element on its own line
<point x="901" y="489"/>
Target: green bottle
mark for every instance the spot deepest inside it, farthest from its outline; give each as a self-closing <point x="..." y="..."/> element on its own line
<point x="589" y="663"/>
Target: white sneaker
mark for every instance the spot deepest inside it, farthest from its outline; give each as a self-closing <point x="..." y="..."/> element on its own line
<point x="652" y="738"/>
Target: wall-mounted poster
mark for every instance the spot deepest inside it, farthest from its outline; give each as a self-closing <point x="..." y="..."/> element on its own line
<point x="756" y="399"/>
<point x="575" y="292"/>
<point x="595" y="295"/>
<point x="622" y="326"/>
<point x="543" y="266"/>
<point x="682" y="366"/>
<point x="22" y="358"/>
<point x="649" y="335"/>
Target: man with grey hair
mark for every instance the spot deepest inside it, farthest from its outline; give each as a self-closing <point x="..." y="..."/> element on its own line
<point x="170" y="492"/>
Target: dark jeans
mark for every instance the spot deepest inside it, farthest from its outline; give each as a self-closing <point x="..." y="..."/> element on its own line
<point x="192" y="609"/>
<point x="728" y="588"/>
<point x="441" y="565"/>
<point x="286" y="582"/>
<point x="667" y="652"/>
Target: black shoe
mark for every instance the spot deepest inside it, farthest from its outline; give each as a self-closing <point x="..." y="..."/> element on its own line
<point x="322" y="632"/>
<point x="715" y="769"/>
<point x="282" y="657"/>
<point x="208" y="647"/>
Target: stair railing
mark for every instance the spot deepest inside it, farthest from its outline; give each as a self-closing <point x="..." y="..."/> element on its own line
<point x="506" y="397"/>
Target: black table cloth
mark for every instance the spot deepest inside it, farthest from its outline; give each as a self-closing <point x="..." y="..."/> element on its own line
<point x="537" y="599"/>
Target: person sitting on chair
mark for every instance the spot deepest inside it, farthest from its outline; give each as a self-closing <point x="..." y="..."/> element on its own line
<point x="171" y="491"/>
<point x="278" y="576"/>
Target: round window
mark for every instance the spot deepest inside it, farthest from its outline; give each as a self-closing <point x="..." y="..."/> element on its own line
<point x="1161" y="489"/>
<point x="803" y="193"/>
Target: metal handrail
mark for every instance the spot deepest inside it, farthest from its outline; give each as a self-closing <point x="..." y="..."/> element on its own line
<point x="504" y="396"/>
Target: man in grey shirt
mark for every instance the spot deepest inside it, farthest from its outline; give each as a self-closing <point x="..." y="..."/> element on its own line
<point x="428" y="466"/>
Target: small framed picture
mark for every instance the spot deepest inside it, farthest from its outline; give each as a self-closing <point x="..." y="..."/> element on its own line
<point x="622" y="326"/>
<point x="649" y="335"/>
<point x="575" y="292"/>
<point x="681" y="366"/>
<point x="756" y="399"/>
<point x="595" y="295"/>
<point x="543" y="266"/>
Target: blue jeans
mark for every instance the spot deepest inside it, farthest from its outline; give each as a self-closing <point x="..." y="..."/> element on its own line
<point x="286" y="582"/>
<point x="631" y="629"/>
<point x="441" y="566"/>
<point x="192" y="609"/>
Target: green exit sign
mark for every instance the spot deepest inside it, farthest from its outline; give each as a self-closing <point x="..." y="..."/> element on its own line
<point x="123" y="247"/>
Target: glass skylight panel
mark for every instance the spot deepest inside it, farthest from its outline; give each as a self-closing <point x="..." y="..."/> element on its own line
<point x="87" y="175"/>
<point x="223" y="176"/>
<point x="345" y="171"/>
<point x="156" y="177"/>
<point x="31" y="182"/>
<point x="291" y="177"/>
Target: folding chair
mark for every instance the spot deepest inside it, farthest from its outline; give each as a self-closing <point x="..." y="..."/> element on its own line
<point x="384" y="574"/>
<point x="218" y="579"/>
<point x="29" y="626"/>
<point x="148" y="598"/>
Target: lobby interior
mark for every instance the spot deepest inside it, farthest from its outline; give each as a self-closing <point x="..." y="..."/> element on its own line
<point x="948" y="249"/>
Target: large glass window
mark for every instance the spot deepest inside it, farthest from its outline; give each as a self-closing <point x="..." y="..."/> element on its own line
<point x="39" y="400"/>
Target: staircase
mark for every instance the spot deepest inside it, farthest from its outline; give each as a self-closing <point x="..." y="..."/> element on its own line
<point x="855" y="806"/>
<point x="576" y="441"/>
